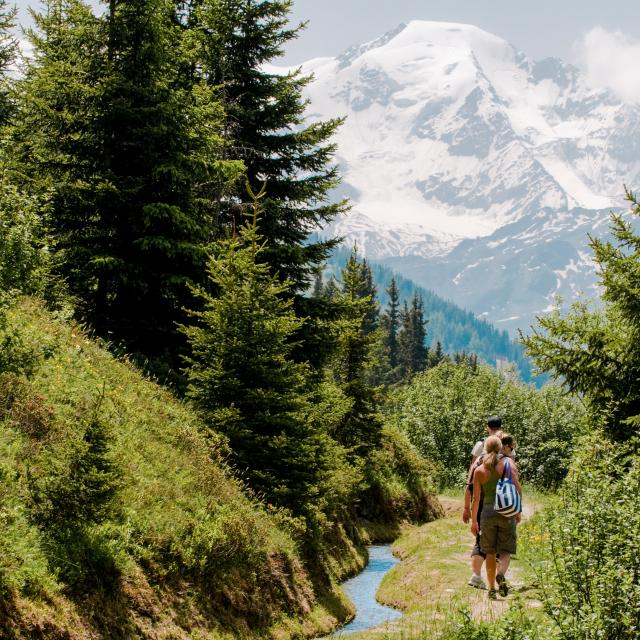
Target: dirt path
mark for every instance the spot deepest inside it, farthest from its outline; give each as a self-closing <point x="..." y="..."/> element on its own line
<point x="430" y="583"/>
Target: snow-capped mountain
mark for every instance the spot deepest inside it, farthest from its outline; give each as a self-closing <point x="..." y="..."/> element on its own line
<point x="473" y="170"/>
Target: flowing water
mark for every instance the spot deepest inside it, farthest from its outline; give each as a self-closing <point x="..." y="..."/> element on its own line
<point x="362" y="592"/>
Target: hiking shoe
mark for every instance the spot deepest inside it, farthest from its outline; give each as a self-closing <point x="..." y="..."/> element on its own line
<point x="503" y="587"/>
<point x="492" y="594"/>
<point x="477" y="582"/>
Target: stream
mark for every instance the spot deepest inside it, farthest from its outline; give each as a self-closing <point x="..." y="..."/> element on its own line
<point x="362" y="591"/>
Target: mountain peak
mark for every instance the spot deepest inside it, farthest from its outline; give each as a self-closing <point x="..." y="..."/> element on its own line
<point x="464" y="39"/>
<point x="472" y="165"/>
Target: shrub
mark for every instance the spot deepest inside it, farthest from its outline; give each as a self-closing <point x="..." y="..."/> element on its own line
<point x="515" y="624"/>
<point x="444" y="410"/>
<point x="399" y="482"/>
<point x="73" y="482"/>
<point x="584" y="550"/>
<point x="23" y="257"/>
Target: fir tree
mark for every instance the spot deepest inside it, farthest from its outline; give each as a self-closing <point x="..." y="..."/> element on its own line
<point x="244" y="381"/>
<point x="436" y="355"/>
<point x="8" y="50"/>
<point x="412" y="351"/>
<point x="117" y="124"/>
<point x="595" y="353"/>
<point x="361" y="428"/>
<point x="390" y="322"/>
<point x="265" y="128"/>
<point x="318" y="284"/>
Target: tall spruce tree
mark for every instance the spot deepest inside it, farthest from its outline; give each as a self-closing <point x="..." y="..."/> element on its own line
<point x="265" y="127"/>
<point x="361" y="427"/>
<point x="117" y="124"/>
<point x="390" y="322"/>
<point x="246" y="384"/>
<point x="436" y="355"/>
<point x="8" y="50"/>
<point x="596" y="352"/>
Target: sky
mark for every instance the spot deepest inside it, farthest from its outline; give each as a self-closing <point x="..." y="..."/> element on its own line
<point x="600" y="36"/>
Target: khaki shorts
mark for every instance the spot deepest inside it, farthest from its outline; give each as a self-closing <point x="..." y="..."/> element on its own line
<point x="497" y="533"/>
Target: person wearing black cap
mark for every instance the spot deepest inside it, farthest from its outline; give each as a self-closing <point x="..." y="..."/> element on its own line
<point x="494" y="424"/>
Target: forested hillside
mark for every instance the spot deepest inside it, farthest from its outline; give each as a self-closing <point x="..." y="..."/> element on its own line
<point x="454" y="328"/>
<point x="191" y="444"/>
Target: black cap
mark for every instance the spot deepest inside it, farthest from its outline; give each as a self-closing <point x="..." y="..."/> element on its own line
<point x="494" y="422"/>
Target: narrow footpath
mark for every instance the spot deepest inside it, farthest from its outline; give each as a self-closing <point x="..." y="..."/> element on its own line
<point x="429" y="585"/>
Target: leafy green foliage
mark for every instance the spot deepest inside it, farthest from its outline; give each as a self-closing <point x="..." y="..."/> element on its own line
<point x="24" y="268"/>
<point x="399" y="482"/>
<point x="584" y="549"/>
<point x="515" y="624"/>
<point x="597" y="353"/>
<point x="444" y="412"/>
<point x="23" y="257"/>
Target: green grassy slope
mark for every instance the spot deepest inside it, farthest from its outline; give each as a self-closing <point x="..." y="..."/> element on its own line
<point x="182" y="553"/>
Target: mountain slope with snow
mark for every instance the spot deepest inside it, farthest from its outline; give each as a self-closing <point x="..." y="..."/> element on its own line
<point x="473" y="170"/>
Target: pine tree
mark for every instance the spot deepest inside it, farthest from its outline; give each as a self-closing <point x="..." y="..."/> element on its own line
<point x="412" y="351"/>
<point x="116" y="122"/>
<point x="318" y="284"/>
<point x="8" y="50"/>
<point x="595" y="353"/>
<point x="330" y="289"/>
<point x="390" y="322"/>
<point x="361" y="428"/>
<point x="265" y="128"/>
<point x="436" y="355"/>
<point x="244" y="381"/>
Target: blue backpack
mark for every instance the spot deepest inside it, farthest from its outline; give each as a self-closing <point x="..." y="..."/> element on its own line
<point x="508" y="502"/>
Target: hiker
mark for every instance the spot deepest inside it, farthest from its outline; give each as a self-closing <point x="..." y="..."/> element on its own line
<point x="497" y="532"/>
<point x="494" y="424"/>
<point x="508" y="446"/>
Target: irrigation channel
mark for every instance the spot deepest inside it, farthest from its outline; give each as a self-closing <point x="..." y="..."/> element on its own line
<point x="362" y="591"/>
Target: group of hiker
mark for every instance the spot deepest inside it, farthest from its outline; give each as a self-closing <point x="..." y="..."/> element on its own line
<point x="493" y="505"/>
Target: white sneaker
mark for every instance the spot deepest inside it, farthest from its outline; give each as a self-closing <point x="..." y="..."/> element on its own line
<point x="477" y="582"/>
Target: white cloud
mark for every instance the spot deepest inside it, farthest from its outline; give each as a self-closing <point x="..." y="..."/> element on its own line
<point x="611" y="59"/>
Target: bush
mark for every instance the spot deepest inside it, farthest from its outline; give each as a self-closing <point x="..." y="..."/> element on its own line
<point x="399" y="482"/>
<point x="584" y="550"/>
<point x="516" y="624"/>
<point x="23" y="256"/>
<point x="444" y="410"/>
<point x="73" y="483"/>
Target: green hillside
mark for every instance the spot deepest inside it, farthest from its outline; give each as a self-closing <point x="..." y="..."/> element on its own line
<point x="179" y="549"/>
